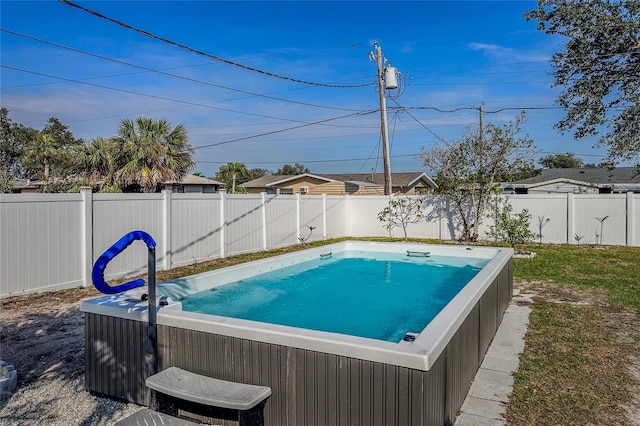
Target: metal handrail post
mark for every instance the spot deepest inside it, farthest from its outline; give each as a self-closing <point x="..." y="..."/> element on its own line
<point x="152" y="340"/>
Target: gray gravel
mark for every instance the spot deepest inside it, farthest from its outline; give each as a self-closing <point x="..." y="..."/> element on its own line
<point x="42" y="336"/>
<point x="61" y="401"/>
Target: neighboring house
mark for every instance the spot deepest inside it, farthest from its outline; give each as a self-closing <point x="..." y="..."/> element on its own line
<point x="193" y="183"/>
<point x="579" y="181"/>
<point x="341" y="184"/>
<point x="190" y="184"/>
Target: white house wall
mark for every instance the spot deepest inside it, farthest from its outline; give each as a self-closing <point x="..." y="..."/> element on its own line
<point x="563" y="187"/>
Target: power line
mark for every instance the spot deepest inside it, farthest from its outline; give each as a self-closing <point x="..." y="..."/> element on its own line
<point x="304" y="161"/>
<point x="282" y="130"/>
<point x="495" y="111"/>
<point x="193" y="80"/>
<point x="343" y="160"/>
<point x="208" y="55"/>
<point x="474" y="108"/>
<point x="416" y="77"/>
<point x="505" y="83"/>
<point x="160" y="97"/>
<point x="401" y="108"/>
<point x="208" y="106"/>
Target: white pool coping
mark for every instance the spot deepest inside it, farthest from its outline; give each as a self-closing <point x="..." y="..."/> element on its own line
<point x="419" y="354"/>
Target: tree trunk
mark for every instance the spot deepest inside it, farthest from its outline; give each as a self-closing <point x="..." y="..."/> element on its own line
<point x="46" y="175"/>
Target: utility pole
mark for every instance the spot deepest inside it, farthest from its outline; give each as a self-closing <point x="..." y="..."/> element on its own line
<point x="383" y="121"/>
<point x="480" y="109"/>
<point x="481" y="137"/>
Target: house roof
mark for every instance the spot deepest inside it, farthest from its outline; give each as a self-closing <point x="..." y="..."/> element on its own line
<point x="25" y="184"/>
<point x="194" y="180"/>
<point x="273" y="180"/>
<point x="593" y="176"/>
<point x="397" y="179"/>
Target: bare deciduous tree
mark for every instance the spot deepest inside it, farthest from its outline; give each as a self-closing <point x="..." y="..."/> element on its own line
<point x="400" y="212"/>
<point x="468" y="170"/>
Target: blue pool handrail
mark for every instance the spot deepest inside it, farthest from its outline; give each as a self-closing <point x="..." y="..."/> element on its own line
<point x="97" y="276"/>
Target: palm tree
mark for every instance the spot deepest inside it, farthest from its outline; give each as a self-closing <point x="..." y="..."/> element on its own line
<point x="149" y="152"/>
<point x="99" y="159"/>
<point x="233" y="174"/>
<point x="42" y="152"/>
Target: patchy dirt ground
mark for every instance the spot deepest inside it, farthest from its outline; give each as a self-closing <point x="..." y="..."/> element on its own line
<point x="581" y="360"/>
<point x="42" y="336"/>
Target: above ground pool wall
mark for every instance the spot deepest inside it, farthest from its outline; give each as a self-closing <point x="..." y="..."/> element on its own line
<point x="309" y="387"/>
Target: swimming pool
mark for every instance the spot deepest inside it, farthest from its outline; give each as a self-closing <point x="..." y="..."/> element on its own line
<point x="339" y="292"/>
<point x="317" y="376"/>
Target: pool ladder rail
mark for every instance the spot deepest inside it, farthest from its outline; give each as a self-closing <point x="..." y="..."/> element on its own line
<point x="418" y="253"/>
<point x="409" y="337"/>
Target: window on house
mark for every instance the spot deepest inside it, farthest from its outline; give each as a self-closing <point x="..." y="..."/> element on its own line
<point x="286" y="191"/>
<point x="304" y="189"/>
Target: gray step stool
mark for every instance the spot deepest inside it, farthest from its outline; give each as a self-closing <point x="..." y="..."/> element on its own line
<point x="177" y="392"/>
<point x="147" y="417"/>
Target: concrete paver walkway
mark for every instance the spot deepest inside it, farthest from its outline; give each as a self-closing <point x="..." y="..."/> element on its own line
<point x="486" y="401"/>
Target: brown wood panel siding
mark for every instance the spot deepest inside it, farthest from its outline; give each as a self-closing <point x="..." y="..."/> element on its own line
<point x="462" y="362"/>
<point x="505" y="287"/>
<point x="314" y="388"/>
<point x="115" y="357"/>
<point x="435" y="393"/>
<point x="308" y="388"/>
<point x="404" y="389"/>
<point x="489" y="318"/>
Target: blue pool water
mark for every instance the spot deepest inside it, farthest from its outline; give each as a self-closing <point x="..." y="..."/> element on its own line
<point x="375" y="295"/>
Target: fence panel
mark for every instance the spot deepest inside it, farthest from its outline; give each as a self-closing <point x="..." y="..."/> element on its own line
<point x="588" y="208"/>
<point x="115" y="215"/>
<point x="542" y="207"/>
<point x="430" y="226"/>
<point x="311" y="214"/>
<point x="336" y="212"/>
<point x="281" y="221"/>
<point x="195" y="228"/>
<point x="363" y="216"/>
<point x="41" y="245"/>
<point x="634" y="220"/>
<point x="50" y="241"/>
<point x="243" y="224"/>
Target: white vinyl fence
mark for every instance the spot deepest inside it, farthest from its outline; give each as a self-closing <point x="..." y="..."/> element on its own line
<point x="50" y="241"/>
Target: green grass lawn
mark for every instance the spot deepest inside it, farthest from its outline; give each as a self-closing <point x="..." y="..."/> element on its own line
<point x="615" y="270"/>
<point x="582" y="345"/>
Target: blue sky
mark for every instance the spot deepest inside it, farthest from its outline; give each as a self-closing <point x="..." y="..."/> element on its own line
<point x="452" y="55"/>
